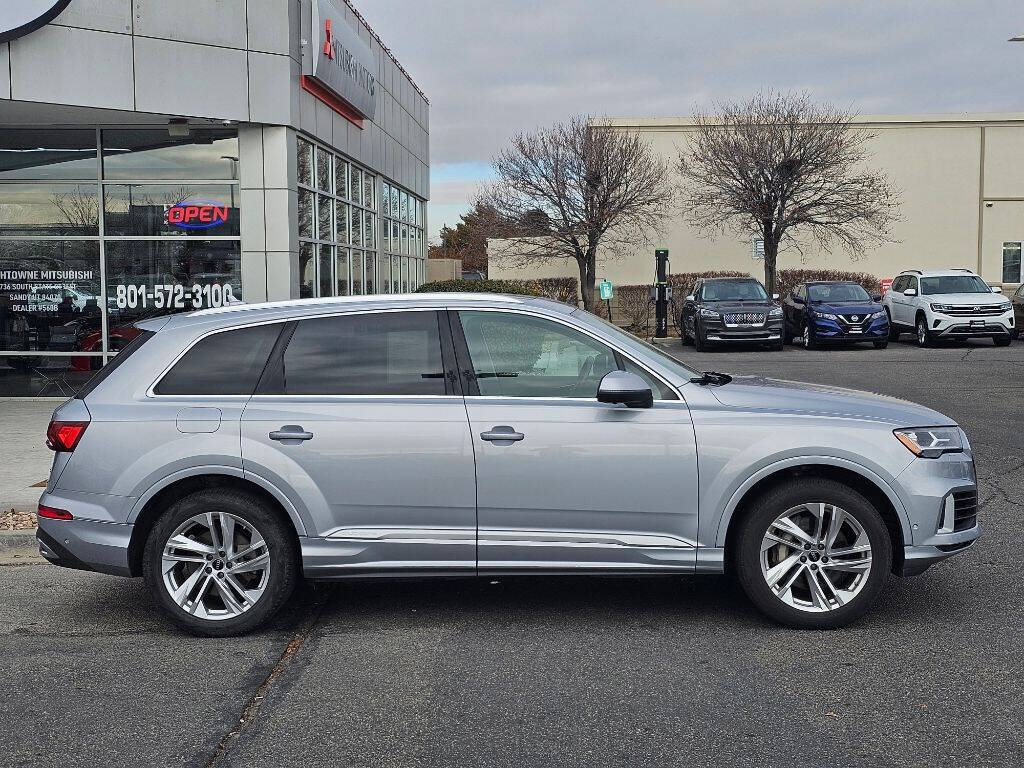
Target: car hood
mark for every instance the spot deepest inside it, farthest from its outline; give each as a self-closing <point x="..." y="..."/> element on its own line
<point x="972" y="299"/>
<point x="847" y="307"/>
<point x="776" y="395"/>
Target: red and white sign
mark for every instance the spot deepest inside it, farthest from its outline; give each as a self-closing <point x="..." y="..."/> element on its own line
<point x="886" y="285"/>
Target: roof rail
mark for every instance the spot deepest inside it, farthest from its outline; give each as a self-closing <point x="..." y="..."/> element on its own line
<point x="961" y="269"/>
<point x="915" y="271"/>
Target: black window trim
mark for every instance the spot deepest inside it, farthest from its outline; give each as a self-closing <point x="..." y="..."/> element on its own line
<point x="468" y="376"/>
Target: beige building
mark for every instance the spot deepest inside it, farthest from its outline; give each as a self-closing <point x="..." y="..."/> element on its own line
<point x="961" y="179"/>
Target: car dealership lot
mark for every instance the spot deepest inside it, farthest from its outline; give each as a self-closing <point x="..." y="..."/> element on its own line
<point x="673" y="671"/>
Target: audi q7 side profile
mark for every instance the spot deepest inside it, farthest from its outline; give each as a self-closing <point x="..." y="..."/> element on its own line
<point x="227" y="453"/>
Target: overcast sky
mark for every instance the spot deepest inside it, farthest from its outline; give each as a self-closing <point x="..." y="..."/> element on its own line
<point x="493" y="67"/>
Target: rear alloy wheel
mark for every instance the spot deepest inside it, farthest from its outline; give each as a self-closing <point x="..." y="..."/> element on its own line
<point x="813" y="554"/>
<point x="220" y="563"/>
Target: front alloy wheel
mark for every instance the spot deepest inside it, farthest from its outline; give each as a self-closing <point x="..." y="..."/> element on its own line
<point x="812" y="553"/>
<point x="816" y="557"/>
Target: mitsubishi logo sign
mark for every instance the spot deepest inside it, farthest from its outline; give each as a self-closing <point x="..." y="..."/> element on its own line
<point x="328" y="50"/>
<point x="19" y="17"/>
<point x="342" y="63"/>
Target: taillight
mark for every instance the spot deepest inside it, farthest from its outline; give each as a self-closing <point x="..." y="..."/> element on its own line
<point x="64" y="435"/>
<point x="54" y="514"/>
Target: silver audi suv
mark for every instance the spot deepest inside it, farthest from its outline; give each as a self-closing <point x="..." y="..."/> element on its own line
<point x="227" y="453"/>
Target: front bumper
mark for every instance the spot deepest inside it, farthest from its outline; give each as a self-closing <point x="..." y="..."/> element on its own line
<point x="948" y="327"/>
<point x="832" y="330"/>
<point x="918" y="559"/>
<point x="717" y="330"/>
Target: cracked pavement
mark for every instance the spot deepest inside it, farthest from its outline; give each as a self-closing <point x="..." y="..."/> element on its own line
<point x="559" y="672"/>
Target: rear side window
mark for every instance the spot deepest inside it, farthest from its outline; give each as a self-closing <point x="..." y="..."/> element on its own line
<point x="383" y="353"/>
<point x="224" y="363"/>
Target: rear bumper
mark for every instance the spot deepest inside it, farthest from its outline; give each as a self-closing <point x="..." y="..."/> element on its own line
<point x="85" y="545"/>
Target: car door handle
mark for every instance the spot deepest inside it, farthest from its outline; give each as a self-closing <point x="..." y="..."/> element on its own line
<point x="291" y="434"/>
<point x="503" y="435"/>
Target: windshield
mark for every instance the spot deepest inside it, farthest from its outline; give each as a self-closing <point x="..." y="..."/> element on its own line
<point x="837" y="292"/>
<point x="733" y="290"/>
<point x="953" y="284"/>
<point x="628" y="340"/>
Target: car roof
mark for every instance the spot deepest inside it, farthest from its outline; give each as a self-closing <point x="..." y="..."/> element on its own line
<point x="937" y="272"/>
<point x="728" y="279"/>
<point x="241" y="313"/>
<point x="832" y="282"/>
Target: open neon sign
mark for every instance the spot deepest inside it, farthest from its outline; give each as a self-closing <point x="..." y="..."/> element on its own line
<point x="197" y="214"/>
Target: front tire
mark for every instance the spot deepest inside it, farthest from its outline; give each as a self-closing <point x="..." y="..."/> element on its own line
<point x="925" y="338"/>
<point x="881" y="344"/>
<point x="700" y="343"/>
<point x="219" y="562"/>
<point x="1002" y="341"/>
<point x="808" y="338"/>
<point x="813" y="554"/>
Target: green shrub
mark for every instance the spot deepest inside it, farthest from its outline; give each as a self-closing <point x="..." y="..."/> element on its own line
<point x="561" y="289"/>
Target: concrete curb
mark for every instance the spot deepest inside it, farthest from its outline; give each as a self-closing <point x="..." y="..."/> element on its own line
<point x="17" y="538"/>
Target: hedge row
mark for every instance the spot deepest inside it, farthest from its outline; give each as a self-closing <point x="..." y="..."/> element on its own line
<point x="563" y="289"/>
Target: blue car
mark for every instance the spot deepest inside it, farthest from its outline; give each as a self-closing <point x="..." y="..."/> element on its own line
<point x="834" y="312"/>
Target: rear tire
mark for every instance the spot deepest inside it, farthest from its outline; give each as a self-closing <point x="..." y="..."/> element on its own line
<point x="223" y="588"/>
<point x="832" y="585"/>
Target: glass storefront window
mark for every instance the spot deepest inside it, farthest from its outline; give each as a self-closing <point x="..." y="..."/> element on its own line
<point x="341" y="178"/>
<point x="370" y="276"/>
<point x="369" y="184"/>
<point x="323" y="208"/>
<point x="48" y="154"/>
<point x="151" y="153"/>
<point x="341" y="270"/>
<point x="1011" y="262"/>
<point x="323" y="170"/>
<point x="342" y="212"/>
<point x="305" y="214"/>
<point x="153" y="277"/>
<point x="165" y="209"/>
<point x="50" y="296"/>
<point x="305" y="167"/>
<point x="31" y="210"/>
<point x="324" y="269"/>
<point x="356" y="185"/>
<point x="357" y="273"/>
<point x="307" y="271"/>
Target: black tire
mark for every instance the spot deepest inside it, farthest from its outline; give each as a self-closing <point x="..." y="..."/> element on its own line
<point x="925" y="338"/>
<point x="700" y="343"/>
<point x="880" y="344"/>
<point x="682" y="332"/>
<point x="284" y="559"/>
<point x="777" y="346"/>
<point x="1002" y="341"/>
<point x="809" y="342"/>
<point x="747" y="551"/>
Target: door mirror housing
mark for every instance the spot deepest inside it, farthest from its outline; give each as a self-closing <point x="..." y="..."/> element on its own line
<point x="690" y="297"/>
<point x="626" y="388"/>
<point x="997" y="289"/>
<point x="910" y="292"/>
<point x="797" y="299"/>
<point x="876" y="297"/>
<point x="775" y="297"/>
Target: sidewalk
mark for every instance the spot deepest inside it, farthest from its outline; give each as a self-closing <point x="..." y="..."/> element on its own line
<point x="24" y="458"/>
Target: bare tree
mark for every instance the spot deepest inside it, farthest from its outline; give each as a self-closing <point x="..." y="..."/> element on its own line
<point x="564" y="191"/>
<point x="778" y="166"/>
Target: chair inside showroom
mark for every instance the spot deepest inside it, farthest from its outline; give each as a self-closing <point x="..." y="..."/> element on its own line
<point x="54" y="373"/>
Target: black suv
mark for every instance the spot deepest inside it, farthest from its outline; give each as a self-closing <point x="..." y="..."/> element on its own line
<point x="730" y="309"/>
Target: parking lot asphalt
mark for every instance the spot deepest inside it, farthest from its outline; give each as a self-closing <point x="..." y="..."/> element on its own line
<point x="560" y="672"/>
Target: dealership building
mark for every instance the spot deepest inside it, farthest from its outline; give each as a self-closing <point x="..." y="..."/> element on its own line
<point x="162" y="156"/>
<point x="961" y="184"/>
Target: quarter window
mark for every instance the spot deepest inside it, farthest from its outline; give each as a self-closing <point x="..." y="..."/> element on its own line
<point x="387" y="353"/>
<point x="225" y="363"/>
<point x="515" y="355"/>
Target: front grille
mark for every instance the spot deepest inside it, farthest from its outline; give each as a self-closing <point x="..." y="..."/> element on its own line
<point x="980" y="310"/>
<point x="965" y="510"/>
<point x="745" y="318"/>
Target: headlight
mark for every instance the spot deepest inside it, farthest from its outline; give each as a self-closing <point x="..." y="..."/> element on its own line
<point x="775" y="312"/>
<point x="826" y="315"/>
<point x="930" y="442"/>
<point x="941" y="307"/>
<point x="876" y="315"/>
<point x="708" y="313"/>
<point x="1007" y="306"/>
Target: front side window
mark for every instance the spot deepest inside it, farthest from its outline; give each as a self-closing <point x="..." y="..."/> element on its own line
<point x="225" y="363"/>
<point x="385" y="353"/>
<point x="515" y="355"/>
<point x="953" y="284"/>
<point x="733" y="290"/>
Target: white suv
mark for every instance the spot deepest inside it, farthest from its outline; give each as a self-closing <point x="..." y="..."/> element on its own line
<point x="947" y="304"/>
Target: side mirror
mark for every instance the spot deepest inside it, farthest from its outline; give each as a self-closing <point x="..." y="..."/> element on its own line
<point x="910" y="292"/>
<point x="997" y="289"/>
<point x="626" y="388"/>
<point x="775" y="297"/>
<point x="876" y="297"/>
<point x="690" y="297"/>
<point x="797" y="298"/>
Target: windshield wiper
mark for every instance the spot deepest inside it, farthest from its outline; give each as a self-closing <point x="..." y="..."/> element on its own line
<point x="711" y="377"/>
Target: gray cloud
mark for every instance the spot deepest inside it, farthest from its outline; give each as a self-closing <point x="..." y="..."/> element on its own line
<point x="492" y="68"/>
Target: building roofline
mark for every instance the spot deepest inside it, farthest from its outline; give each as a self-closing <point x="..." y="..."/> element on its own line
<point x="386" y="50"/>
<point x="955" y="118"/>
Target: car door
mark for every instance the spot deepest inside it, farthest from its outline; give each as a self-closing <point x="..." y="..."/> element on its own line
<point x="793" y="309"/>
<point x="1018" y="308"/>
<point x="357" y="422"/>
<point x="688" y="320"/>
<point x="905" y="305"/>
<point x="565" y="482"/>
